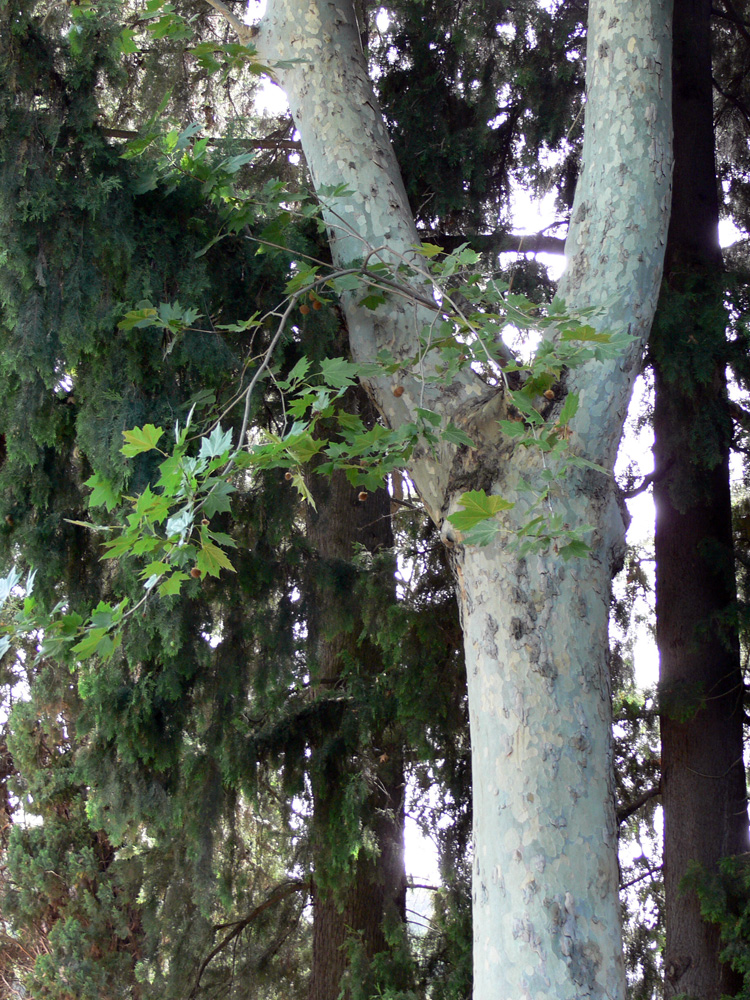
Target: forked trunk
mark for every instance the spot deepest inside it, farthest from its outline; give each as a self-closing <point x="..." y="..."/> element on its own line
<point x="546" y="918"/>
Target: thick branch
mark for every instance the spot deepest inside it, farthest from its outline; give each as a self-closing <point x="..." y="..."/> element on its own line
<point x="501" y="242"/>
<point x="244" y="31"/>
<point x="291" y="144"/>
<point x="626" y="811"/>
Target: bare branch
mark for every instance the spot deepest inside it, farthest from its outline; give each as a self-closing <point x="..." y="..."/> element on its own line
<point x="626" y="811"/>
<point x="290" y="144"/>
<point x="500" y="242"/>
<point x="245" y="32"/>
<point x="640" y="878"/>
<point x="281" y="892"/>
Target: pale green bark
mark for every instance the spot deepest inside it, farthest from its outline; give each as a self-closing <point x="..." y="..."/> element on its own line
<point x="546" y="918"/>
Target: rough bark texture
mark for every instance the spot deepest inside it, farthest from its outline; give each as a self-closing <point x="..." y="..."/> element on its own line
<point x="703" y="783"/>
<point x="546" y="906"/>
<point x="375" y="892"/>
<point x="546" y="917"/>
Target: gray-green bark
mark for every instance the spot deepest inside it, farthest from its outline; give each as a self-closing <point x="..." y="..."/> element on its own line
<point x="546" y="920"/>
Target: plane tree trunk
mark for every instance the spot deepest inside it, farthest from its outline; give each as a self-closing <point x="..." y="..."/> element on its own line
<point x="546" y="915"/>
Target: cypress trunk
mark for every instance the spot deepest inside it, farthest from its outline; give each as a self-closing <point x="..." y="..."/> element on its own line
<point x="701" y="687"/>
<point x="371" y="895"/>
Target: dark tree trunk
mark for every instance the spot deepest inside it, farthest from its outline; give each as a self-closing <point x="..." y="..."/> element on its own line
<point x="703" y="777"/>
<point x="372" y="894"/>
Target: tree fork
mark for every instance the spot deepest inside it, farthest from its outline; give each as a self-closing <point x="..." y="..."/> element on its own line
<point x="546" y="911"/>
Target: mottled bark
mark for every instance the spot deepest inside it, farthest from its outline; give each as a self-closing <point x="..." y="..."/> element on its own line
<point x="546" y="920"/>
<point x="373" y="891"/>
<point x="546" y="905"/>
<point x="703" y="783"/>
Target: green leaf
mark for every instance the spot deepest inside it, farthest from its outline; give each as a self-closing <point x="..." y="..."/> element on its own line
<point x="429" y="416"/>
<point x="223" y="539"/>
<point x="467" y="257"/>
<point x="212" y="560"/>
<point x="70" y="623"/>
<point x="140" y="439"/>
<point x="217" y="443"/>
<point x="373" y="301"/>
<point x="456" y="436"/>
<point x="89" y="644"/>
<point x="570" y="408"/>
<point x="346" y="283"/>
<point x="127" y="42"/>
<point x="338" y="372"/>
<point x="574" y="548"/>
<point x="482" y="533"/>
<point x="524" y="404"/>
<point x="103" y="493"/>
<point x="586" y="334"/>
<point x="513" y="428"/>
<point x="477" y="507"/>
<point x="156" y="568"/>
<point x="218" y="499"/>
<point x="139" y="318"/>
<point x="172" y="584"/>
<point x="297" y="374"/>
<point x="234" y="163"/>
<point x="430" y="250"/>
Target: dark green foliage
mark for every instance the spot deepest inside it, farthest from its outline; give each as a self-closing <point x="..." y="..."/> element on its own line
<point x="142" y="875"/>
<point x="731" y="61"/>
<point x="690" y="366"/>
<point x="66" y="885"/>
<point x="472" y="95"/>
<point x="725" y="900"/>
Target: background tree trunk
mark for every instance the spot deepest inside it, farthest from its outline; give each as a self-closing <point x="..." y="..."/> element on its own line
<point x="701" y="686"/>
<point x="370" y="894"/>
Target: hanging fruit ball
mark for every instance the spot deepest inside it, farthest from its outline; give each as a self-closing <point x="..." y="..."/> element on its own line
<point x="287" y="476"/>
<point x="363" y="495"/>
<point x="398" y="390"/>
<point x="304" y="309"/>
<point x="549" y="394"/>
<point x="195" y="572"/>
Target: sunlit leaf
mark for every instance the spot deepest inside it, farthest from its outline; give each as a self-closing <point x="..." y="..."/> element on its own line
<point x="140" y="439"/>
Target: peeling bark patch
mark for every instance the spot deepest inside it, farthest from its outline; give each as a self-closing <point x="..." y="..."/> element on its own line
<point x="490" y="631"/>
<point x="517" y="628"/>
<point x="547" y="669"/>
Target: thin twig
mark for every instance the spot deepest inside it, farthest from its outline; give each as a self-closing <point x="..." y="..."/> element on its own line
<point x="640" y="878"/>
